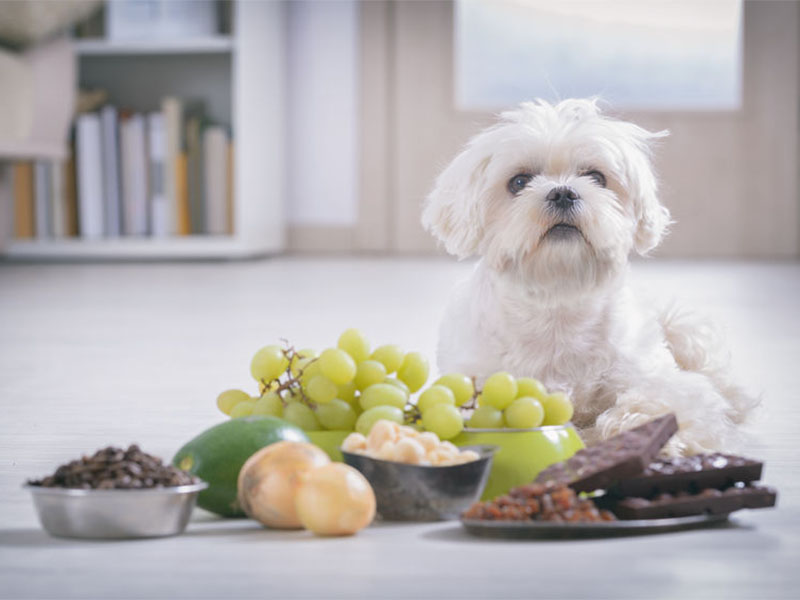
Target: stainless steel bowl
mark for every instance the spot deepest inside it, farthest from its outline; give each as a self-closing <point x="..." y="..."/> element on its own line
<point x="418" y="493"/>
<point x="154" y="512"/>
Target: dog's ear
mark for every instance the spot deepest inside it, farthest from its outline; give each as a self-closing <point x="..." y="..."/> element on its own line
<point x="652" y="217"/>
<point x="454" y="211"/>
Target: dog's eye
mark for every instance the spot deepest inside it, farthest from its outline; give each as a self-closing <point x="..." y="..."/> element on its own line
<point x="598" y="177"/>
<point x="518" y="182"/>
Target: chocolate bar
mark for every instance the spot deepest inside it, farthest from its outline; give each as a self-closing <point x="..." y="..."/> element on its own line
<point x="689" y="474"/>
<point x="623" y="456"/>
<point x="709" y="501"/>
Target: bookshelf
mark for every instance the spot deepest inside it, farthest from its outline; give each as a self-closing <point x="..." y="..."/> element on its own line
<point x="250" y="65"/>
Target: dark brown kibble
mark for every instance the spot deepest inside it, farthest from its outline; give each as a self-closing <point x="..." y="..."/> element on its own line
<point x="114" y="468"/>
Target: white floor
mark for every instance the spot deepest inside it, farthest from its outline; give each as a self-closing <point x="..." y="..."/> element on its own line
<point x="92" y="355"/>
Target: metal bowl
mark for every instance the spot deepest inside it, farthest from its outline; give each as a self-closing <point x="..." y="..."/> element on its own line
<point x="115" y="514"/>
<point x="424" y="493"/>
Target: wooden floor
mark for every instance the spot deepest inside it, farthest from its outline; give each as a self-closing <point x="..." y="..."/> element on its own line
<point x="92" y="355"/>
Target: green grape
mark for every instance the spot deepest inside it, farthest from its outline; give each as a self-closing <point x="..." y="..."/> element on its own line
<point x="382" y="394"/>
<point x="486" y="417"/>
<point x="299" y="414"/>
<point x="292" y="394"/>
<point x="533" y="388"/>
<point x="413" y="371"/>
<point x="307" y="353"/>
<point x="557" y="409"/>
<point x="524" y="413"/>
<point x="371" y="416"/>
<point x="390" y="355"/>
<point x="230" y="398"/>
<point x="269" y="404"/>
<point x="355" y="344"/>
<point x="482" y="401"/>
<point x="436" y="394"/>
<point x="347" y="392"/>
<point x="500" y="390"/>
<point x="337" y="414"/>
<point x="444" y="420"/>
<point x="398" y="384"/>
<point x="243" y="409"/>
<point x="268" y="363"/>
<point x="309" y="370"/>
<point x="368" y="373"/>
<point x="337" y="365"/>
<point x="460" y="385"/>
<point x="321" y="389"/>
<point x="301" y="360"/>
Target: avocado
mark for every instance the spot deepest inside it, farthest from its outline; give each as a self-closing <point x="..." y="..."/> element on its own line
<point x="217" y="455"/>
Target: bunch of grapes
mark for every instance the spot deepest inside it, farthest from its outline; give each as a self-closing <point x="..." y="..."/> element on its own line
<point x="345" y="388"/>
<point x="351" y="388"/>
<point x="518" y="404"/>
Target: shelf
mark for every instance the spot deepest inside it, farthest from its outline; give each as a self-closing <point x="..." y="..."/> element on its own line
<point x="205" y="45"/>
<point x="10" y="151"/>
<point x="143" y="248"/>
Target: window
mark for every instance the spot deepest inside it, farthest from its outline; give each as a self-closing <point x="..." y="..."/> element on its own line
<point x="679" y="54"/>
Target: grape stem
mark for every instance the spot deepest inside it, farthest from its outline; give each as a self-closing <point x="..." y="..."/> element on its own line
<point x="292" y="382"/>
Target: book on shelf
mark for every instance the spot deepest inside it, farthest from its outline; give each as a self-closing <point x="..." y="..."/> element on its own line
<point x="89" y="175"/>
<point x="172" y="110"/>
<point x="160" y="224"/>
<point x="109" y="123"/>
<point x="215" y="160"/>
<point x="133" y="151"/>
<point x="42" y="192"/>
<point x="182" y="194"/>
<point x="57" y="217"/>
<point x="194" y="171"/>
<point x="163" y="173"/>
<point x="24" y="224"/>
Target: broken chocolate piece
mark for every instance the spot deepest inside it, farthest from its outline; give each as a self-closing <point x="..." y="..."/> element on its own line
<point x="623" y="456"/>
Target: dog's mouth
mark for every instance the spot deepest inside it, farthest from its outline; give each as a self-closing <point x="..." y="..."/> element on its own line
<point x="563" y="231"/>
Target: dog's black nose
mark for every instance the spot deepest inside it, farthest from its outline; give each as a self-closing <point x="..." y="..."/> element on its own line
<point x="563" y="197"/>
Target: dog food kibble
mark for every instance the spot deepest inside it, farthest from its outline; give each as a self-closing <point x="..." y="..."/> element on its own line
<point x="115" y="468"/>
<point x="390" y="441"/>
<point x="539" y="502"/>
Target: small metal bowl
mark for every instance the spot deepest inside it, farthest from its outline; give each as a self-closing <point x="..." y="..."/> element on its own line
<point x="115" y="514"/>
<point x="424" y="493"/>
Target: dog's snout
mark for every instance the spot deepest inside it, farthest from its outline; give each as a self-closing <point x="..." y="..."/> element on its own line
<point x="563" y="196"/>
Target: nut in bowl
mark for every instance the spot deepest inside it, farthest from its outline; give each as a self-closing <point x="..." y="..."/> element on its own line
<point x="438" y="485"/>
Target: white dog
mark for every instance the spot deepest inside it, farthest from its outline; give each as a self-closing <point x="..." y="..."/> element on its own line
<point x="554" y="199"/>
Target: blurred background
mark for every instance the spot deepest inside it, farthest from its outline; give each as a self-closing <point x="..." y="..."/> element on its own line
<point x="222" y="129"/>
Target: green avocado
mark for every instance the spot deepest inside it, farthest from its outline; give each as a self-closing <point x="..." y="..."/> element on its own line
<point x="217" y="455"/>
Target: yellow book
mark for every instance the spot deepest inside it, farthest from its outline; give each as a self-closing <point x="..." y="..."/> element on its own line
<point x="182" y="195"/>
<point x="24" y="219"/>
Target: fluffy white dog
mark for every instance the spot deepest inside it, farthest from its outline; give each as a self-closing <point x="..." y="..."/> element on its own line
<point x="555" y="198"/>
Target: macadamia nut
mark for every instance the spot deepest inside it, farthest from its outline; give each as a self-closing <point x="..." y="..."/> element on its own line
<point x="390" y="441"/>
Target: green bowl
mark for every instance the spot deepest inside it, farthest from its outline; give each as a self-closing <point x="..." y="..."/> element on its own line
<point x="521" y="453"/>
<point x="329" y="441"/>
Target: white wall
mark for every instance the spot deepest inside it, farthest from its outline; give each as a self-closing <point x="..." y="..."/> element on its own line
<point x="323" y="112"/>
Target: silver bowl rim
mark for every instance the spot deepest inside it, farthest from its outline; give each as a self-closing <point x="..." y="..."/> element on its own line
<point x="486" y="452"/>
<point x="567" y="425"/>
<point x="154" y="491"/>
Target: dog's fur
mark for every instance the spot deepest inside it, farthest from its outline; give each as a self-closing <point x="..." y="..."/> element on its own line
<point x="555" y="304"/>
